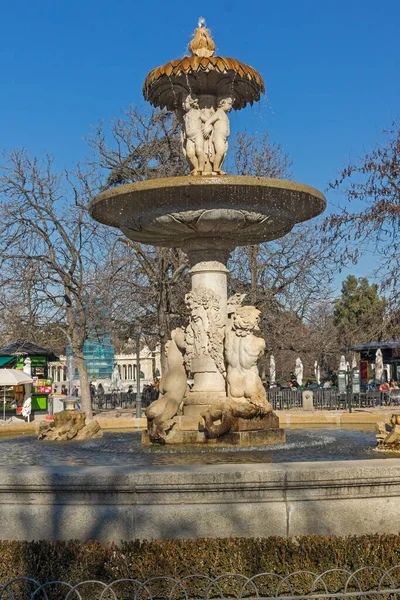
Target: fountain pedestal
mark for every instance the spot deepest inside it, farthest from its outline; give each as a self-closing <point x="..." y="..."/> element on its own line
<point x="207" y="303"/>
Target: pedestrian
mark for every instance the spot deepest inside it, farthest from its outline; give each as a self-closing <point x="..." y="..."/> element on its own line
<point x="64" y="390"/>
<point x="384" y="387"/>
<point x="100" y="395"/>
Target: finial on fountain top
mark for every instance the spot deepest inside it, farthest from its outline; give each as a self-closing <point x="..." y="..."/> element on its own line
<point x="202" y="44"/>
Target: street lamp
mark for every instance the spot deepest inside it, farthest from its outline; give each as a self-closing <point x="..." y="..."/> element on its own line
<point x="138" y="396"/>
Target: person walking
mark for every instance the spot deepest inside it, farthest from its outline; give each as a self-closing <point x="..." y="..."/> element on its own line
<point x="100" y="396"/>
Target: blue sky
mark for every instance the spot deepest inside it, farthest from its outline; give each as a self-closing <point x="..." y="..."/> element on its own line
<point x="331" y="69"/>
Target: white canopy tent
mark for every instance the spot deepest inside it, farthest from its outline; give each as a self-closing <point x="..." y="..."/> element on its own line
<point x="12" y="377"/>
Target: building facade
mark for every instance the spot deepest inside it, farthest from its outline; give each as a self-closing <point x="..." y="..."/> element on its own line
<point x="150" y="366"/>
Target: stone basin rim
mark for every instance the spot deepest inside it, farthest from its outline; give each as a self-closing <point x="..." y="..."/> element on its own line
<point x="170" y="211"/>
<point x="188" y="181"/>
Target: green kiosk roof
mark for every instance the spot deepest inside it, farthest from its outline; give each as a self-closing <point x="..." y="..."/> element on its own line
<point x="4" y="360"/>
<point x="24" y="348"/>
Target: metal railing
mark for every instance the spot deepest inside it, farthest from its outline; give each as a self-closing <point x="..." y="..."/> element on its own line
<point x="364" y="583"/>
<point x="289" y="399"/>
<point x="285" y="399"/>
<point x="121" y="400"/>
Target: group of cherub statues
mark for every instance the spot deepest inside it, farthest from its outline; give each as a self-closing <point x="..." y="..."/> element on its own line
<point x="205" y="134"/>
<point x="245" y="393"/>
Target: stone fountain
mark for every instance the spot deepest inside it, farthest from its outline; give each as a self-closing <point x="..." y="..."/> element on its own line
<point x="207" y="214"/>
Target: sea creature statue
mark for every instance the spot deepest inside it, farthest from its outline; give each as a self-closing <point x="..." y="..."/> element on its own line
<point x="389" y="441"/>
<point x="246" y="395"/>
<point x="160" y="414"/>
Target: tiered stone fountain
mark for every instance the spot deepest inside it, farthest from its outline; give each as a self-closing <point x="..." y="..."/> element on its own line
<point x="207" y="214"/>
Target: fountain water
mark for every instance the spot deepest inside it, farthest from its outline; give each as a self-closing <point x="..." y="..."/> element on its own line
<point x="207" y="215"/>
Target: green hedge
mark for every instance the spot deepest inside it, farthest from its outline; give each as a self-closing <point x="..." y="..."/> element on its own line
<point x="74" y="561"/>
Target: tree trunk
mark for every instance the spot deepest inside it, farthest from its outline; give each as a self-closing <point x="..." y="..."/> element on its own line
<point x="86" y="402"/>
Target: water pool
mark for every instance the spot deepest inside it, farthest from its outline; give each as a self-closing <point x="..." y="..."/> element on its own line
<point x="124" y="449"/>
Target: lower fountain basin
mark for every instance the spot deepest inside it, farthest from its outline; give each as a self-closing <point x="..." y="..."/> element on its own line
<point x="226" y="211"/>
<point x="112" y="489"/>
<point x="116" y="448"/>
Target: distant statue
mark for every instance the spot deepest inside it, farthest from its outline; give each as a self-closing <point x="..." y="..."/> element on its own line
<point x="160" y="414"/>
<point x="379" y="366"/>
<point x="27" y="366"/>
<point x="272" y="369"/>
<point x="317" y="373"/>
<point x="246" y="394"/>
<point x="192" y="137"/>
<point x="298" y="371"/>
<point x="115" y="379"/>
<point x="27" y="408"/>
<point x="354" y="362"/>
<point x="218" y="127"/>
<point x="342" y="363"/>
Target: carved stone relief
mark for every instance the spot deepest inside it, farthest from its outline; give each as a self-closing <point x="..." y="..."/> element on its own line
<point x="204" y="335"/>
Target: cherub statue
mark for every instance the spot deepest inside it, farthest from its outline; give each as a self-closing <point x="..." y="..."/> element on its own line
<point x="246" y="394"/>
<point x="192" y="135"/>
<point x="242" y="351"/>
<point x="218" y="126"/>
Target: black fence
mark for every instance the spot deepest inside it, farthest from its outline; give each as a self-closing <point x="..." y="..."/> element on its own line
<point x="368" y="582"/>
<point x="285" y="399"/>
<point x="331" y="399"/>
<point x="122" y="400"/>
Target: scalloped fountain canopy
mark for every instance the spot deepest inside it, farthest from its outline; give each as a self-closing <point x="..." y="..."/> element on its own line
<point x="203" y="74"/>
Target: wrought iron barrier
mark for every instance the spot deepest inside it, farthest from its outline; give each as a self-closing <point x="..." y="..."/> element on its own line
<point x="120" y="400"/>
<point x="364" y="583"/>
<point x="287" y="399"/>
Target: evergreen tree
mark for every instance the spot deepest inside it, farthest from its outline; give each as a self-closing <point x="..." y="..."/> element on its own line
<point x="359" y="312"/>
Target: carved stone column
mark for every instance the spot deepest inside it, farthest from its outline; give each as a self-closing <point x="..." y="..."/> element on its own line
<point x="205" y="333"/>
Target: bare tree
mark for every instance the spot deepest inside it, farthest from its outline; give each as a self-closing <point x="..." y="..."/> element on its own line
<point x="285" y="278"/>
<point x="45" y="230"/>
<point x="371" y="217"/>
<point x="137" y="146"/>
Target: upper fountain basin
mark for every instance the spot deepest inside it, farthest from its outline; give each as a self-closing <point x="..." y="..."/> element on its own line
<point x="229" y="211"/>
